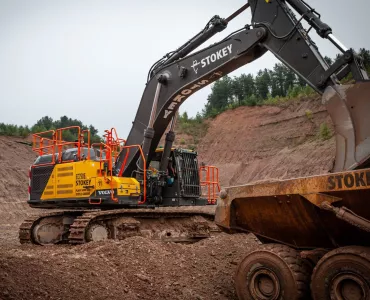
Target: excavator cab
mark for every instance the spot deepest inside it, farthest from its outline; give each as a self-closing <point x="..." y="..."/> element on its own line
<point x="183" y="182"/>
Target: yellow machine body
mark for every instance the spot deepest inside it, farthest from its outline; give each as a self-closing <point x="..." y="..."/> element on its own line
<point x="84" y="179"/>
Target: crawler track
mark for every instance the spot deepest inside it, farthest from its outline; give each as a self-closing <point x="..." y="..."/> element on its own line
<point x="174" y="225"/>
<point x="26" y="228"/>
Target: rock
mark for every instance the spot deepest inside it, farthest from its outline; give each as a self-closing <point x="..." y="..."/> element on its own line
<point x="143" y="278"/>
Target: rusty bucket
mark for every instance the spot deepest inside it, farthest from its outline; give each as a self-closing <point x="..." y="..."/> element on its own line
<point x="349" y="108"/>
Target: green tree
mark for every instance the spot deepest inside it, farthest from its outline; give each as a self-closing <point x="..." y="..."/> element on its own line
<point x="38" y="128"/>
<point x="289" y="79"/>
<point x="237" y="89"/>
<point x="277" y="79"/>
<point x="185" y="116"/>
<point x="248" y="84"/>
<point x="220" y="96"/>
<point x="93" y="130"/>
<point x="45" y="122"/>
<point x="251" y="100"/>
<point x="263" y="81"/>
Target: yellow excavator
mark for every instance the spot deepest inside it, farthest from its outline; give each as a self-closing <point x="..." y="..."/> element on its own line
<point x="121" y="188"/>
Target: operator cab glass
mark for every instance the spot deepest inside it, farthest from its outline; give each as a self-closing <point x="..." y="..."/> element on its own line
<point x="45" y="159"/>
<point x="71" y="154"/>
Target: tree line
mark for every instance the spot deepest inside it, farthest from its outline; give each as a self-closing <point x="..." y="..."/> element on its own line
<point x="263" y="88"/>
<point x="46" y="123"/>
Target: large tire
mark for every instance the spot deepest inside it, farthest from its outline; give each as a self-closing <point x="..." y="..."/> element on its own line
<point x="273" y="272"/>
<point x="342" y="274"/>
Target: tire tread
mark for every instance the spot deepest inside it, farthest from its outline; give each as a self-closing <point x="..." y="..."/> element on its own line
<point x="300" y="270"/>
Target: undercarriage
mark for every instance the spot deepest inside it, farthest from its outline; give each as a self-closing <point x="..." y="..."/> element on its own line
<point x="82" y="226"/>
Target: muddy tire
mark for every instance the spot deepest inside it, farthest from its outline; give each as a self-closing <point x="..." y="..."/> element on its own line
<point x="273" y="272"/>
<point x="342" y="274"/>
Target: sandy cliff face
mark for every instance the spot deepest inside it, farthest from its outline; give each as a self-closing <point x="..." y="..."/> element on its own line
<point x="15" y="160"/>
<point x="257" y="143"/>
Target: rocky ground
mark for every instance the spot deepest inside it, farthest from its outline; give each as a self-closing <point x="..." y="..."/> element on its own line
<point x="135" y="268"/>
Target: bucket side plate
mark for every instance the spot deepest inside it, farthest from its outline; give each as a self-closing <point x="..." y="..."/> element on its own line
<point x="349" y="109"/>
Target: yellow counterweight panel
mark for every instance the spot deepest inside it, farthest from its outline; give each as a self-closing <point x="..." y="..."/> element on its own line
<point x="127" y="186"/>
<point x="81" y="180"/>
<point x="123" y="186"/>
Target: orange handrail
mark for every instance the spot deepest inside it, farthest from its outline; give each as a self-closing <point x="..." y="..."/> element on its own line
<point x="211" y="182"/>
<point x="117" y="138"/>
<point x="110" y="168"/>
<point x="124" y="162"/>
<point x="54" y="145"/>
<point x="61" y="143"/>
<point x="39" y="137"/>
<point x="88" y="141"/>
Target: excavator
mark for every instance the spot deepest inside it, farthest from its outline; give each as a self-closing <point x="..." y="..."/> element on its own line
<point x="121" y="188"/>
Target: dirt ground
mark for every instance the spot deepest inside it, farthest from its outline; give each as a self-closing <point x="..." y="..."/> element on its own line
<point x="135" y="268"/>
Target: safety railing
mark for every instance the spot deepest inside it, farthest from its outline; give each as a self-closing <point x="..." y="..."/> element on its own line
<point x="62" y="145"/>
<point x="116" y="143"/>
<point x="43" y="143"/>
<point x="51" y="143"/>
<point x="106" y="172"/>
<point x="209" y="181"/>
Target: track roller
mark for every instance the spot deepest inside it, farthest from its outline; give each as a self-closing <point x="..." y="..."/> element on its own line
<point x="273" y="272"/>
<point x="97" y="233"/>
<point x="342" y="274"/>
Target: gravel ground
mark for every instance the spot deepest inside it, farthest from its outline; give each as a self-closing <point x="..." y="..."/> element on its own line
<point x="135" y="268"/>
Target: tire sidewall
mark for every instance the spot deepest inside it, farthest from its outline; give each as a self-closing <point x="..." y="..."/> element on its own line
<point x="288" y="288"/>
<point x="322" y="279"/>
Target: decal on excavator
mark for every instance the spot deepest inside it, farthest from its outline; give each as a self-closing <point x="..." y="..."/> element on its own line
<point x="185" y="93"/>
<point x="349" y="180"/>
<point x="212" y="58"/>
<point x="81" y="179"/>
<point x="104" y="192"/>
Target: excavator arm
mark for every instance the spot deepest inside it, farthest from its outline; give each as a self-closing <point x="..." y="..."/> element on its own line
<point x="274" y="28"/>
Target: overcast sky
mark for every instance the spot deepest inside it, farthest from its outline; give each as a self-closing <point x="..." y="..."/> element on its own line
<point x="88" y="59"/>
